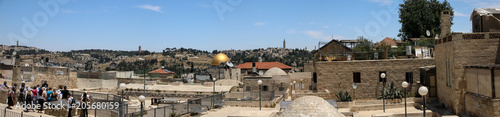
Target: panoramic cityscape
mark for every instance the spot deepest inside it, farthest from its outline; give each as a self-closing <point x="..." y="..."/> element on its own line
<point x="240" y="58"/>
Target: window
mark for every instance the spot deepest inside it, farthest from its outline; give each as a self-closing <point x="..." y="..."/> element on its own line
<point x="409" y="77"/>
<point x="264" y="88"/>
<point x="282" y="88"/>
<point x="380" y="78"/>
<point x="249" y="88"/>
<point x="356" y="77"/>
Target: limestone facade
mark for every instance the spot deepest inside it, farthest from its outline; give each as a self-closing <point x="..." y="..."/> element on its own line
<point x="338" y="75"/>
<point x="454" y="53"/>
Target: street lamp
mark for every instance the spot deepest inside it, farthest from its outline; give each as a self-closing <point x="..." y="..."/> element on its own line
<point x="382" y="75"/>
<point x="260" y="97"/>
<point x="141" y="99"/>
<point x="121" y="87"/>
<point x="213" y="93"/>
<point x="144" y="64"/>
<point x="294" y="84"/>
<point x="423" y="91"/>
<point x="354" y="86"/>
<point x="291" y="86"/>
<point x="405" y="85"/>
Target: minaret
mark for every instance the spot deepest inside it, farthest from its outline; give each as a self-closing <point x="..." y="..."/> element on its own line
<point x="284" y="44"/>
<point x="139" y="49"/>
<point x="445" y="23"/>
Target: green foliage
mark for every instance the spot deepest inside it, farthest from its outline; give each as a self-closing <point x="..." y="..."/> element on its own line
<point x="365" y="45"/>
<point x="173" y="114"/>
<point x="391" y="92"/>
<point x="417" y="16"/>
<point x="343" y="96"/>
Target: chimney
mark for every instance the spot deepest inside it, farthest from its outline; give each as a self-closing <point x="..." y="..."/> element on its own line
<point x="253" y="67"/>
<point x="445" y="23"/>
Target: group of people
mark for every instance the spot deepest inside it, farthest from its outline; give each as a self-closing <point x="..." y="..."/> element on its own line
<point x="39" y="95"/>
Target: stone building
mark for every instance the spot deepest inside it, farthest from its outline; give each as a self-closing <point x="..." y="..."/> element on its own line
<point x="262" y="67"/>
<point x="333" y="49"/>
<point x="340" y="75"/>
<point x="468" y="77"/>
<point x="485" y="20"/>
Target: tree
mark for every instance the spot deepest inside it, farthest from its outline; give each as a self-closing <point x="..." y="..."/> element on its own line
<point x="417" y="16"/>
<point x="364" y="45"/>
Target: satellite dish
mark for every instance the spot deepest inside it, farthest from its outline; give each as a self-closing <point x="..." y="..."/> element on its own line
<point x="229" y="64"/>
<point x="261" y="72"/>
<point x="112" y="65"/>
<point x="428" y="33"/>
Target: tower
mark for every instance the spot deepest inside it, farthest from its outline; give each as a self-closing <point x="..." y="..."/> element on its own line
<point x="284" y="44"/>
<point x="445" y="23"/>
<point x="139" y="49"/>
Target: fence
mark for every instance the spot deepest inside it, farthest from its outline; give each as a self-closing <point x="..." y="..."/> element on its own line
<point x="194" y="105"/>
<point x="101" y="98"/>
<point x="7" y="113"/>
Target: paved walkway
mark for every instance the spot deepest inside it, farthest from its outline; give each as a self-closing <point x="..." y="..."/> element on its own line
<point x="242" y="112"/>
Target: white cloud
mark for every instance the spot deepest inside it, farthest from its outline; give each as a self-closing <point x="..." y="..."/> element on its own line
<point x="382" y="2"/>
<point x="67" y="11"/>
<point x="459" y="14"/>
<point x="291" y="31"/>
<point x="150" y="7"/>
<point x="320" y="35"/>
<point x="259" y="24"/>
<point x="325" y="26"/>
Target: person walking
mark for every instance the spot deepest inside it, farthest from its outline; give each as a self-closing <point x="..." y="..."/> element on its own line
<point x="65" y="93"/>
<point x="22" y="92"/>
<point x="84" y="99"/>
<point x="4" y="86"/>
<point x="11" y="98"/>
<point x="45" y="84"/>
<point x="53" y="95"/>
<point x="49" y="94"/>
<point x="42" y="95"/>
<point x="70" y="101"/>
<point x="34" y="96"/>
<point x="28" y="100"/>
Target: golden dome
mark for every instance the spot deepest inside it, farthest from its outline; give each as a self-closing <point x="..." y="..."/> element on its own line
<point x="219" y="58"/>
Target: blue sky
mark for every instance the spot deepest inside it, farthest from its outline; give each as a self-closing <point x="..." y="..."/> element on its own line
<point x="204" y="24"/>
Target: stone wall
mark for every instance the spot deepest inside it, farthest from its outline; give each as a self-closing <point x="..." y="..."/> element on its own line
<point x="338" y="75"/>
<point x="55" y="80"/>
<point x="478" y="106"/>
<point x="460" y="50"/>
<point x="85" y="83"/>
<point x="265" y="104"/>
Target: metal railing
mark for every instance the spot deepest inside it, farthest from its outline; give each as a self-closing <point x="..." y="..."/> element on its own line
<point x="8" y="113"/>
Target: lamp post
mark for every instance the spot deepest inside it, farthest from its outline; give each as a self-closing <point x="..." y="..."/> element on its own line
<point x="122" y="87"/>
<point x="213" y="93"/>
<point x="382" y="75"/>
<point x="294" y="82"/>
<point x="405" y="85"/>
<point x="141" y="99"/>
<point x="291" y="86"/>
<point x="423" y="91"/>
<point x="260" y="97"/>
<point x="354" y="86"/>
<point x="144" y="64"/>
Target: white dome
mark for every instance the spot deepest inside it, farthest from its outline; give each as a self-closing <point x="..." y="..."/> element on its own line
<point x="310" y="106"/>
<point x="275" y="72"/>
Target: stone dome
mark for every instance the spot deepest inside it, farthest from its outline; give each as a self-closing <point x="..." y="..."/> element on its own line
<point x="275" y="72"/>
<point x="310" y="106"/>
<point x="219" y="58"/>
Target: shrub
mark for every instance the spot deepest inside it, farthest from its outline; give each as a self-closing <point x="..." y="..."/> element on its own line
<point x="343" y="96"/>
